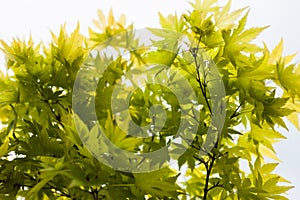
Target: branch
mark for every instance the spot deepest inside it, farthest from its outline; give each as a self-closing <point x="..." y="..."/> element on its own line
<point x="206" y="188"/>
<point x="216" y="185"/>
<point x="194" y="52"/>
<point x="235" y="113"/>
<point x="15" y="121"/>
<point x="202" y="162"/>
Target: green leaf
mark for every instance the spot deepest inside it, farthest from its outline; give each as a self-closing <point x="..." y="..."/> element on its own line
<point x="171" y="22"/>
<point x="4" y="147"/>
<point x="276" y="53"/>
<point x="225" y="19"/>
<point x="289" y="80"/>
<point x="156" y="183"/>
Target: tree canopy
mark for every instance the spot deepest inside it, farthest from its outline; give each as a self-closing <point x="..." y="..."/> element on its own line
<point x="187" y="111"/>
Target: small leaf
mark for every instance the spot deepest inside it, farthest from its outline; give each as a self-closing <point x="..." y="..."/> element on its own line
<point x="4" y="147"/>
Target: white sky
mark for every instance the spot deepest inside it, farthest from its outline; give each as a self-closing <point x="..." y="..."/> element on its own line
<point x="20" y="18"/>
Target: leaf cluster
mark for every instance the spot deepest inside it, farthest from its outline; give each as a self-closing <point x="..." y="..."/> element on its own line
<point x="42" y="152"/>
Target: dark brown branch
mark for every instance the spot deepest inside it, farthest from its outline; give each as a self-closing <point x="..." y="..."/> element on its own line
<point x="235" y="113"/>
<point x="206" y="188"/>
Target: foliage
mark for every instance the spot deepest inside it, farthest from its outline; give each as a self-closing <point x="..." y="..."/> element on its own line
<point x="43" y="157"/>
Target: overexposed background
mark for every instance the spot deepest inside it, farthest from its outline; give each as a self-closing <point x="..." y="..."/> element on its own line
<point x="20" y="18"/>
